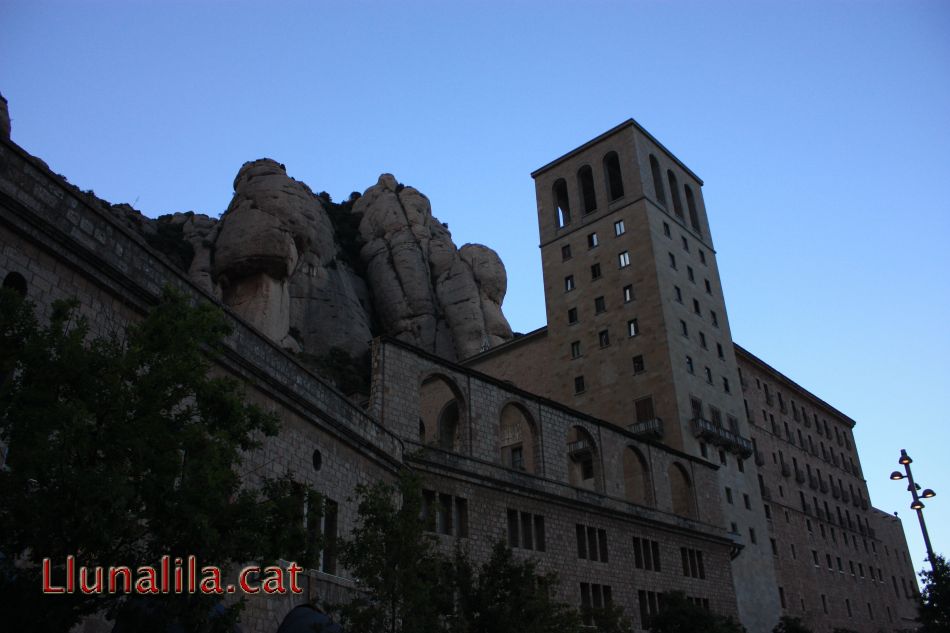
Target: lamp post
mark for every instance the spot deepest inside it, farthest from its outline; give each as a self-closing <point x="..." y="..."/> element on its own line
<point x="917" y="504"/>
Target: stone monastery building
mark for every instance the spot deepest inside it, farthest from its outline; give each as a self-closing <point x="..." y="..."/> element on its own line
<point x="629" y="444"/>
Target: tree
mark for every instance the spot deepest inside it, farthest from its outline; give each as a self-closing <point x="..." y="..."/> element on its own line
<point x="935" y="598"/>
<point x="121" y="450"/>
<point x="506" y="595"/>
<point x="679" y="615"/>
<point x="408" y="585"/>
<point x="401" y="576"/>
<point x="788" y="624"/>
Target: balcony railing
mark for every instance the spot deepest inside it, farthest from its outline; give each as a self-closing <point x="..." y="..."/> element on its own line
<point x="652" y="427"/>
<point x="579" y="450"/>
<point x="723" y="437"/>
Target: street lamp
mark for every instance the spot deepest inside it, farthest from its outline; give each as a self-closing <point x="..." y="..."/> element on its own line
<point x="917" y="504"/>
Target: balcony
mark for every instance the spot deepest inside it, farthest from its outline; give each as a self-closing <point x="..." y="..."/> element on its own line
<point x="647" y="428"/>
<point x="715" y="434"/>
<point x="579" y="450"/>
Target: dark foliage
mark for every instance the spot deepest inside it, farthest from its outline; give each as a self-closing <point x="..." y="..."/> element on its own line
<point x="935" y="598"/>
<point x="121" y="451"/>
<point x="679" y="615"/>
<point x="168" y="240"/>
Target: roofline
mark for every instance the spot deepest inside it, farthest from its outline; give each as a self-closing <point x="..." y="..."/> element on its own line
<point x="628" y="123"/>
<point x="752" y="357"/>
<point x="524" y="338"/>
<point x="388" y="339"/>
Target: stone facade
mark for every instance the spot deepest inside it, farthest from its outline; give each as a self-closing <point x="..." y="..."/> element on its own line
<point x="638" y="335"/>
<point x="507" y="464"/>
<point x="839" y="561"/>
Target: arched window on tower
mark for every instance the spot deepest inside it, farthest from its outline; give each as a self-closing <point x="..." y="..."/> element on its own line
<point x="675" y="192"/>
<point x="614" y="179"/>
<point x="585" y="179"/>
<point x="691" y="206"/>
<point x="562" y="203"/>
<point x="657" y="180"/>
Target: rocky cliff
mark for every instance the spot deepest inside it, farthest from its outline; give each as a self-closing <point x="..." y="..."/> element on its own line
<point x="322" y="278"/>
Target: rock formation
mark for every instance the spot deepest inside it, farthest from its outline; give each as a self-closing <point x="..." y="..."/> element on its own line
<point x="425" y="291"/>
<point x="323" y="279"/>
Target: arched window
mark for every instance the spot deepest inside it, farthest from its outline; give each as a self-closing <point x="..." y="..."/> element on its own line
<point x="657" y="180"/>
<point x="441" y="413"/>
<point x="691" y="206"/>
<point x="582" y="467"/>
<point x="636" y="478"/>
<point x="681" y="491"/>
<point x="562" y="203"/>
<point x="585" y="179"/>
<point x="675" y="192"/>
<point x="517" y="440"/>
<point x="614" y="179"/>
<point x="15" y="282"/>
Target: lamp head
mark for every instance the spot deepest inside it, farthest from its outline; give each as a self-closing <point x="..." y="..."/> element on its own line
<point x="896" y="476"/>
<point x="917" y="505"/>
<point x="928" y="493"/>
<point x="905" y="458"/>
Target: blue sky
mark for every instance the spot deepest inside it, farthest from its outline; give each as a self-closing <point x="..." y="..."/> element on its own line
<point x="821" y="130"/>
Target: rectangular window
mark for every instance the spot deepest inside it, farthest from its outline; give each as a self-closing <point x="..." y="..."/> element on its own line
<point x="685" y="243"/>
<point x="728" y="494"/>
<point x="644" y="409"/>
<point x="692" y="563"/>
<point x="690" y="275"/>
<point x="702" y="256"/>
<point x="666" y="229"/>
<point x="725" y="384"/>
<point x="714" y="318"/>
<point x="575" y="349"/>
<point x="578" y="384"/>
<point x="702" y="340"/>
<point x="600" y="305"/>
<point x="684" y="329"/>
<point x="569" y="283"/>
<point x="638" y="364"/>
<point x="595" y="271"/>
<point x="443" y="514"/>
<point x="572" y="316"/>
<point x="604" y="338"/>
<point x="696" y="307"/>
<point x="627" y="294"/>
<point x="565" y="252"/>
<point x="747" y="502"/>
<point x="689" y="364"/>
<point x="678" y="293"/>
<point x="525" y="530"/>
<point x="708" y="286"/>
<point x="672" y="260"/>
<point x="592" y="240"/>
<point x="752" y="535"/>
<point x="719" y="351"/>
<point x="709" y="375"/>
<point x="619" y="228"/>
<point x="633" y="327"/>
<point x="646" y="554"/>
<point x="623" y="259"/>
